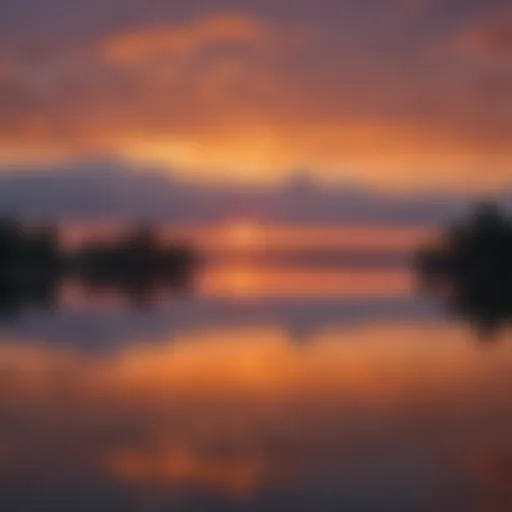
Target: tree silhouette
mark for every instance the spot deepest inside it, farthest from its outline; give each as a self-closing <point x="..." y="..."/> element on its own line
<point x="475" y="258"/>
<point x="32" y="264"/>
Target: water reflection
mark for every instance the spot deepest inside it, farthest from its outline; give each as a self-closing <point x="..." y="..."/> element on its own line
<point x="488" y="311"/>
<point x="374" y="418"/>
<point x="14" y="299"/>
<point x="253" y="282"/>
<point x="265" y="389"/>
<point x="300" y="301"/>
<point x="470" y="269"/>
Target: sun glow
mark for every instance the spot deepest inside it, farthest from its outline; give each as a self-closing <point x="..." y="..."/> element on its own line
<point x="245" y="234"/>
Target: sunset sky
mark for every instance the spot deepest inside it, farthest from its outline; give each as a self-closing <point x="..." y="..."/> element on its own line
<point x="393" y="94"/>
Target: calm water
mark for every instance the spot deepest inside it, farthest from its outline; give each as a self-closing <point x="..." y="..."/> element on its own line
<point x="264" y="390"/>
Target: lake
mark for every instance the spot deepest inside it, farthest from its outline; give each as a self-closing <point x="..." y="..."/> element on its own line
<point x="262" y="388"/>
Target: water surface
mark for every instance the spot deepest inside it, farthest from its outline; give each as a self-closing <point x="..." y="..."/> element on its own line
<point x="264" y="389"/>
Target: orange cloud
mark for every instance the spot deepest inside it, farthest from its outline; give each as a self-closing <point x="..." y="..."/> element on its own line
<point x="392" y="156"/>
<point x="493" y="40"/>
<point x="181" y="40"/>
<point x="234" y="96"/>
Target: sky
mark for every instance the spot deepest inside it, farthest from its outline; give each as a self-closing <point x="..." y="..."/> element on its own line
<point x="111" y="191"/>
<point x="402" y="95"/>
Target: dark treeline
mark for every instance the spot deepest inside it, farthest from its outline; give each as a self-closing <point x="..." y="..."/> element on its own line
<point x="137" y="263"/>
<point x="471" y="268"/>
<point x="33" y="264"/>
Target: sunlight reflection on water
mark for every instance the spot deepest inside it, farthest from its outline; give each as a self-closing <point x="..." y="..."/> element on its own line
<point x="201" y="404"/>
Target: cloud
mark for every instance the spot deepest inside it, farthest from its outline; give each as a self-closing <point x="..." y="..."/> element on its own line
<point x="113" y="190"/>
<point x="254" y="94"/>
<point x="490" y="40"/>
<point x="183" y="40"/>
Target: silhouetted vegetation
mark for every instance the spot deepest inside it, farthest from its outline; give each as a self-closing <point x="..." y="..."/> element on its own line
<point x="137" y="264"/>
<point x="33" y="263"/>
<point x="30" y="266"/>
<point x="471" y="268"/>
